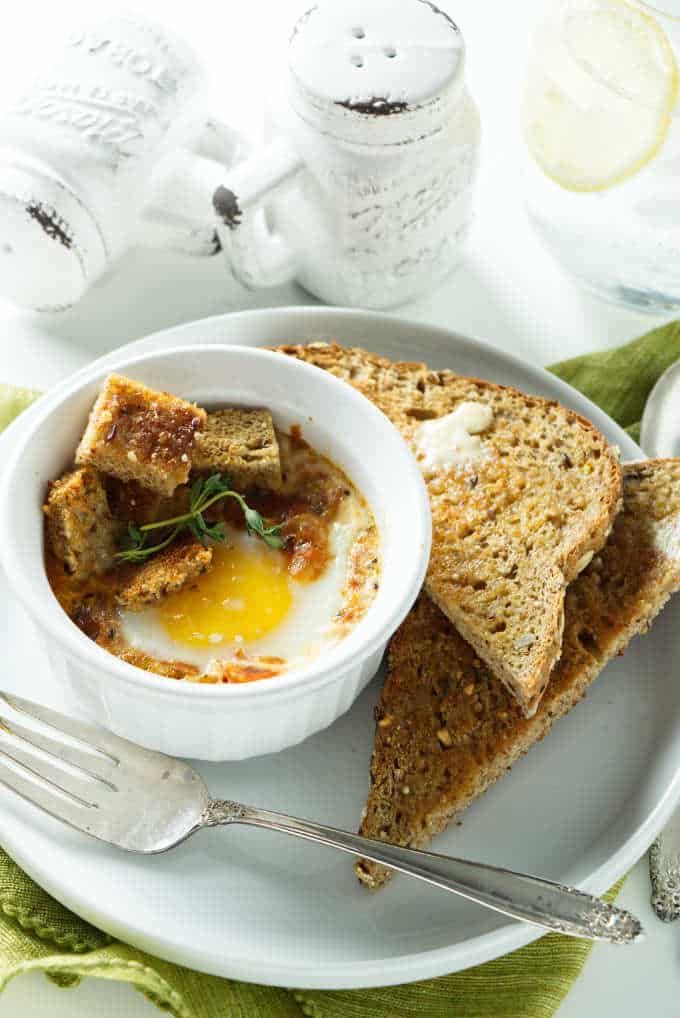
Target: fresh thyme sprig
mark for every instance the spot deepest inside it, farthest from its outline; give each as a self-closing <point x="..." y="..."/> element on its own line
<point x="204" y="493"/>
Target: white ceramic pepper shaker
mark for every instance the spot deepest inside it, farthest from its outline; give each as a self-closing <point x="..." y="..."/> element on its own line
<point x="369" y="181"/>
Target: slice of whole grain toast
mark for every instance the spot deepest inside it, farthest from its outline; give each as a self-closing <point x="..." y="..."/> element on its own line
<point x="447" y="729"/>
<point x="510" y="529"/>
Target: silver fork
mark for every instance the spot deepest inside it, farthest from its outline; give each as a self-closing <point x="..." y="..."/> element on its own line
<point x="143" y="801"/>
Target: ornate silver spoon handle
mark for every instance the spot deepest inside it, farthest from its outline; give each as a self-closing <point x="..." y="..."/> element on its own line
<point x="664" y="869"/>
<point x="660" y="436"/>
<point x="532" y="899"/>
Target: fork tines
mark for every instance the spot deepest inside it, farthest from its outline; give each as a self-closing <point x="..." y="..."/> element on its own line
<point x="48" y="763"/>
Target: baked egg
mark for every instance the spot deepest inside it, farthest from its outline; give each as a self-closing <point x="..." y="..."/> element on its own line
<point x="248" y="603"/>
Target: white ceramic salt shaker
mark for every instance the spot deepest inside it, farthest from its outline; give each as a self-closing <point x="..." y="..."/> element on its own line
<point x="369" y="181"/>
<point x="78" y="151"/>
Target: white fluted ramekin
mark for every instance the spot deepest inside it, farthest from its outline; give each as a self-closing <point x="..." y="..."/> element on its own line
<point x="223" y="722"/>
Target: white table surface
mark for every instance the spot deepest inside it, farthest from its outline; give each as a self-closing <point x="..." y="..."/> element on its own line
<point x="508" y="292"/>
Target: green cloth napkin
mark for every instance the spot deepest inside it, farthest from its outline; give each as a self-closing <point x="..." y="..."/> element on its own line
<point x="37" y="933"/>
<point x="620" y="380"/>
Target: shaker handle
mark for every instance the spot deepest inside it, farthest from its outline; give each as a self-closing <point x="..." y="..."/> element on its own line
<point x="199" y="205"/>
<point x="257" y="256"/>
<point x="178" y="212"/>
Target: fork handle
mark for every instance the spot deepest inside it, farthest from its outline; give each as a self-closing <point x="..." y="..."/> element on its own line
<point x="532" y="899"/>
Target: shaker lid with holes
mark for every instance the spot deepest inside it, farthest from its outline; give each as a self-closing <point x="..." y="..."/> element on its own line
<point x="375" y="73"/>
<point x="50" y="246"/>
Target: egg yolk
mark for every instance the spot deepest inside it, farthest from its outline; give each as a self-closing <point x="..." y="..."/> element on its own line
<point x="243" y="596"/>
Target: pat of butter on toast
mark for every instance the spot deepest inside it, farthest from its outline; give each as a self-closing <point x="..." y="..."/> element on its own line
<point x="454" y="439"/>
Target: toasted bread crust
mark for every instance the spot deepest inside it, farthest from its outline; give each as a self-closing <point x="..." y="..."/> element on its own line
<point x="509" y="531"/>
<point x="447" y="729"/>
<point x="241" y="443"/>
<point x="137" y="434"/>
<point x="80" y="528"/>
<point x="165" y="573"/>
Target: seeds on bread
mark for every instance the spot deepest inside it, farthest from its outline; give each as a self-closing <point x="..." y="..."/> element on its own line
<point x="447" y="729"/>
<point x="80" y="528"/>
<point x="512" y="529"/>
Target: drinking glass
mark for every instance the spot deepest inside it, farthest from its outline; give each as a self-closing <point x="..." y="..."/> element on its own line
<point x="601" y="127"/>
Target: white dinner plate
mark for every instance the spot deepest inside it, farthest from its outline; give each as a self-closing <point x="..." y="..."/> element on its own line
<point x="660" y="427"/>
<point x="581" y="807"/>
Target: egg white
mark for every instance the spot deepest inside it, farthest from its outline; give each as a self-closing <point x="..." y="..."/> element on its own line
<point x="305" y="632"/>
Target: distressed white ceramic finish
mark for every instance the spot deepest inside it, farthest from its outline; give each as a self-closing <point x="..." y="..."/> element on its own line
<point x="78" y="155"/>
<point x="581" y="807"/>
<point x="225" y="722"/>
<point x="382" y="142"/>
<point x="368" y="181"/>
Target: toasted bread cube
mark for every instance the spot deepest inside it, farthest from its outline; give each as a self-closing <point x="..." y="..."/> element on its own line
<point x="137" y="434"/>
<point x="164" y="574"/>
<point x="129" y="502"/>
<point x="241" y="443"/>
<point x="80" y="527"/>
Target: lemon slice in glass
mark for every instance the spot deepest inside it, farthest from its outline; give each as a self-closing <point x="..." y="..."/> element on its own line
<point x="600" y="93"/>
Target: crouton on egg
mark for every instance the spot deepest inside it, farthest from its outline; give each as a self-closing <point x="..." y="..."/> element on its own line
<point x="241" y="443"/>
<point x="164" y="574"/>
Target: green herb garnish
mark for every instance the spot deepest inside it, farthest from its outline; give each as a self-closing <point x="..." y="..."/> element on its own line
<point x="204" y="493"/>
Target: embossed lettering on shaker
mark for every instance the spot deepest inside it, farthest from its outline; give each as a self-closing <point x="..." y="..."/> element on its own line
<point x="118" y="132"/>
<point x="105" y="101"/>
<point x="137" y="62"/>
